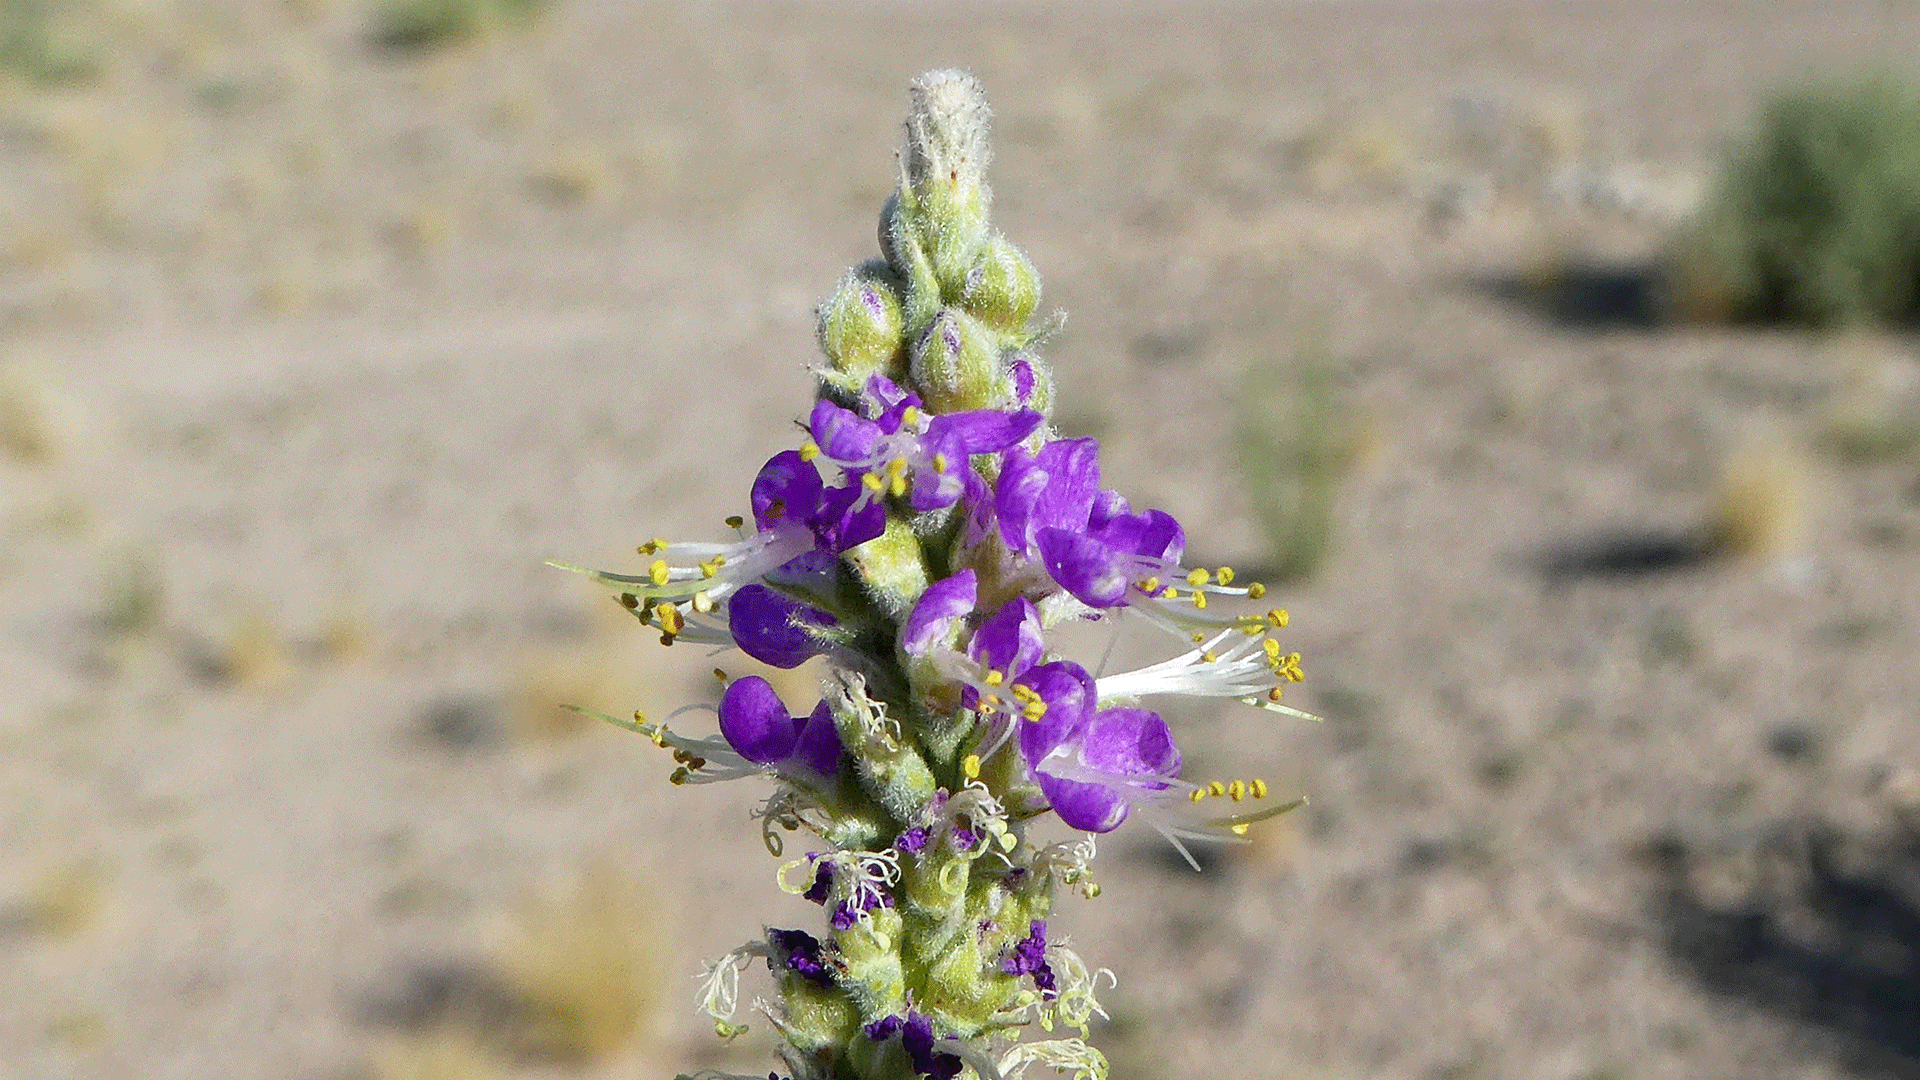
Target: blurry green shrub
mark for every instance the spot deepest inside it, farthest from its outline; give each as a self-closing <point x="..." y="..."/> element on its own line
<point x="1295" y="444"/>
<point x="38" y="45"/>
<point x="1815" y="219"/>
<point x="429" y="24"/>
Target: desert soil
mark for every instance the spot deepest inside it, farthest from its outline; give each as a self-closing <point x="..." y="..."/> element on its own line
<point x="314" y="351"/>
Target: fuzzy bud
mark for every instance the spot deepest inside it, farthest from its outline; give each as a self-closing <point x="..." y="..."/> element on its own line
<point x="954" y="364"/>
<point x="860" y="327"/>
<point x="1003" y="288"/>
<point x="945" y="187"/>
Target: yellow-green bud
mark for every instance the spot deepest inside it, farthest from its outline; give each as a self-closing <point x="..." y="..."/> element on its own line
<point x="861" y="326"/>
<point x="1002" y="288"/>
<point x="955" y="363"/>
<point x="892" y="567"/>
<point x="870" y="949"/>
<point x="945" y="190"/>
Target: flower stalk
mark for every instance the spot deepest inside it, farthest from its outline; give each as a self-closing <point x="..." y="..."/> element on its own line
<point x="926" y="537"/>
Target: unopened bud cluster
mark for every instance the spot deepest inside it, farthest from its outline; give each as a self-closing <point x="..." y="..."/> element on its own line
<point x="926" y="537"/>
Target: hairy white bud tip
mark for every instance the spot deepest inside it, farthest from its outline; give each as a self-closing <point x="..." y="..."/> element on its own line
<point x="947" y="129"/>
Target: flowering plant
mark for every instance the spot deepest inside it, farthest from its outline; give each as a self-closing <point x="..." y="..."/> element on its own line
<point x="925" y="538"/>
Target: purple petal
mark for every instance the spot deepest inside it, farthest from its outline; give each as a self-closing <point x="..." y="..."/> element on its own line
<point x="788" y="488"/>
<point x="1010" y="639"/>
<point x="1069" y="693"/>
<point x="1093" y="572"/>
<point x="1016" y="496"/>
<point x="818" y="744"/>
<point x="886" y="394"/>
<point x="1087" y="807"/>
<point x="1073" y="478"/>
<point x="841" y="435"/>
<point x="985" y="431"/>
<point x="932" y="617"/>
<point x="939" y="475"/>
<point x="1130" y="743"/>
<point x="1022" y="372"/>
<point x="771" y="628"/>
<point x="755" y="722"/>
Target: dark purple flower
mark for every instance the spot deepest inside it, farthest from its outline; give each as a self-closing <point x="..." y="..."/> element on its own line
<point x="788" y="493"/>
<point x="1029" y="957"/>
<point x="913" y="841"/>
<point x="822" y="888"/>
<point x="916" y="1037"/>
<point x="757" y="725"/>
<point x="1094" y="766"/>
<point x="799" y="952"/>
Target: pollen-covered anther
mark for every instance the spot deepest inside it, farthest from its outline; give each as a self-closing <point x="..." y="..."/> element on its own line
<point x="1198" y="576"/>
<point x="971" y="766"/>
<point x="659" y="572"/>
<point x="1236" y="790"/>
<point x="1256" y="591"/>
<point x="1276" y="618"/>
<point x="940" y="463"/>
<point x="1224" y="575"/>
<point x="809" y="450"/>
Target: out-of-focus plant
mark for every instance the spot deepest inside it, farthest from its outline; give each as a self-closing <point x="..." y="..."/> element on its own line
<point x="1295" y="444"/>
<point x="37" y="43"/>
<point x="1815" y="218"/>
<point x="429" y="24"/>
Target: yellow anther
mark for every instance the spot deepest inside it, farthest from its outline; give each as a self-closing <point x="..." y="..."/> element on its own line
<point x="1216" y="789"/>
<point x="971" y="766"/>
<point x="709" y="569"/>
<point x="1257" y="789"/>
<point x="1170" y="593"/>
<point x="1236" y="791"/>
<point x="910" y="417"/>
<point x="809" y="450"/>
<point x="1238" y="830"/>
<point x="1209" y="657"/>
<point x="720" y="675"/>
<point x="1197" y="637"/>
<point x="1272" y="648"/>
<point x="1198" y="576"/>
<point x="1150" y="586"/>
<point x="1197" y="794"/>
<point x="657" y="573"/>
<point x="670" y="619"/>
<point x="647" y="548"/>
<point x="735" y="521"/>
<point x="1256" y="590"/>
<point x="1200" y="601"/>
<point x="1277" y="617"/>
<point x="1273" y="695"/>
<point x="872" y="481"/>
<point x="1225" y="575"/>
<point x="1034" y="710"/>
<point x="703" y="603"/>
<point x="1092" y="890"/>
<point x="897" y="467"/>
<point x="898" y="486"/>
<point x="940" y="463"/>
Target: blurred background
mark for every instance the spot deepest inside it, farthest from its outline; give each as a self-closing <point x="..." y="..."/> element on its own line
<point x="1559" y="383"/>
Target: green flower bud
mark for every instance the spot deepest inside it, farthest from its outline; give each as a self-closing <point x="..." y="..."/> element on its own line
<point x="1002" y="288"/>
<point x="945" y="191"/>
<point x="901" y="246"/>
<point x="955" y="365"/>
<point x="892" y="567"/>
<point x="870" y="949"/>
<point x="861" y="326"/>
<point x="818" y="1017"/>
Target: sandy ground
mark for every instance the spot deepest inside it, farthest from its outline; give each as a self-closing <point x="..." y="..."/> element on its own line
<point x="314" y="351"/>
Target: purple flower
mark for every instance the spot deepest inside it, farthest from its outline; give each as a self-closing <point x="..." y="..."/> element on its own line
<point x="905" y="451"/>
<point x="1052" y="489"/>
<point x="1094" y="765"/>
<point x="1029" y="957"/>
<point x="913" y="841"/>
<point x="757" y="725"/>
<point x="774" y="629"/>
<point x="799" y="952"/>
<point x="916" y="1037"/>
<point x="789" y="493"/>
